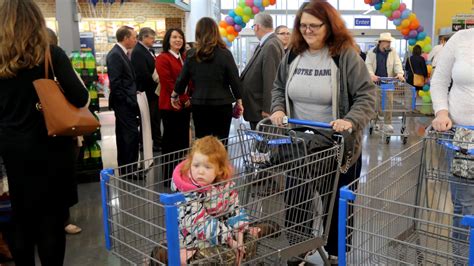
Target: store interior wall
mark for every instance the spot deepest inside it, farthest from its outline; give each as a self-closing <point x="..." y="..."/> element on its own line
<point x="424" y="10"/>
<point x="446" y="9"/>
<point x="68" y="26"/>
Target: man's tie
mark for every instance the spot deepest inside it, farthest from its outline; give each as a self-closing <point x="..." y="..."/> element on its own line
<point x="152" y="51"/>
<point x="129" y="55"/>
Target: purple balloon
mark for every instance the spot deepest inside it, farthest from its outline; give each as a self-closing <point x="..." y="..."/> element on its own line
<point x="237" y="27"/>
<point x="420" y="29"/>
<point x="406" y="37"/>
<point x="412" y="34"/>
<point x="229" y="20"/>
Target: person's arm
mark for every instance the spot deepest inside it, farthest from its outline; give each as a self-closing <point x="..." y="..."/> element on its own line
<point x="271" y="60"/>
<point x="183" y="79"/>
<point x="232" y="75"/>
<point x="278" y="109"/>
<point x="144" y="78"/>
<point x="440" y="84"/>
<point x="424" y="68"/>
<point x="114" y="71"/>
<point x="361" y="89"/>
<point x="369" y="62"/>
<point x="397" y="66"/>
<point x="74" y="90"/>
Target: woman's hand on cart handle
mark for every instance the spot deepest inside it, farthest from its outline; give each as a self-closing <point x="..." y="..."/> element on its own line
<point x="442" y="122"/>
<point x="278" y="118"/>
<point x="401" y="77"/>
<point x="341" y="125"/>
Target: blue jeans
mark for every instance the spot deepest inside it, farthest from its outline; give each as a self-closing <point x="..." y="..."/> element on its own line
<point x="462" y="195"/>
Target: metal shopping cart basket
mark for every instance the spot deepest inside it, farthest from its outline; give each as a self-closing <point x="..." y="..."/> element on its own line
<point x="400" y="213"/>
<point x="142" y="216"/>
<point x="394" y="98"/>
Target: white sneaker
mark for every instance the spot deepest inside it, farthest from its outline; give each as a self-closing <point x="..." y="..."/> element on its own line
<point x="388" y="128"/>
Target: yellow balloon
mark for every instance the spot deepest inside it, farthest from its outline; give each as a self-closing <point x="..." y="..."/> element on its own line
<point x="399" y="28"/>
<point x="428" y="40"/>
<point x="265" y="3"/>
<point x="421" y="93"/>
<point x="239" y="11"/>
<point x="412" y="16"/>
<point x="245" y="18"/>
<point x="421" y="44"/>
<point x="430" y="68"/>
<point x="230" y="37"/>
<point x="410" y="48"/>
<point x="405" y="23"/>
<point x="223" y="32"/>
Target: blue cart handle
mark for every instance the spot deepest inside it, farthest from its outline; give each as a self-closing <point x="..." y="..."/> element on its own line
<point x="306" y="122"/>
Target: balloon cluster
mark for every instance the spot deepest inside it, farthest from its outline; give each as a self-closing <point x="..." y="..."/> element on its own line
<point x="238" y="18"/>
<point x="410" y="27"/>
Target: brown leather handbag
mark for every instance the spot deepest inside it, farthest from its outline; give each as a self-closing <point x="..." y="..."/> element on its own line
<point x="61" y="117"/>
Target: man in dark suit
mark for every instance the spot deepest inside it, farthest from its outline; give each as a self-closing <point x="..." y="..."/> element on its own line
<point x="143" y="62"/>
<point x="260" y="72"/>
<point x="123" y="97"/>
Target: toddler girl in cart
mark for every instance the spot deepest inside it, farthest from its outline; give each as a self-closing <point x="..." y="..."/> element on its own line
<point x="214" y="230"/>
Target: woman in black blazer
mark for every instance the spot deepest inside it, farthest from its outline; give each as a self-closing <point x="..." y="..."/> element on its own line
<point x="39" y="168"/>
<point x="214" y="74"/>
<point x="419" y="66"/>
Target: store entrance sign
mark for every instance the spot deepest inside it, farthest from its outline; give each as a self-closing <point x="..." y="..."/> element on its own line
<point x="362" y="22"/>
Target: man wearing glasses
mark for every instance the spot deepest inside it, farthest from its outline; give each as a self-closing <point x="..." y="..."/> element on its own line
<point x="258" y="76"/>
<point x="283" y="34"/>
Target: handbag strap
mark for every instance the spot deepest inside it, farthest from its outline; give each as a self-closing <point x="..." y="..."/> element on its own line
<point x="48" y="62"/>
<point x="409" y="61"/>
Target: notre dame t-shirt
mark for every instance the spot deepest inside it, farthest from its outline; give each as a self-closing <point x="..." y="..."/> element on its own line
<point x="310" y="88"/>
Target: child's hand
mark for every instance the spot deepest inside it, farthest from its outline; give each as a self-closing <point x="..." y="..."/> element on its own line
<point x="254" y="231"/>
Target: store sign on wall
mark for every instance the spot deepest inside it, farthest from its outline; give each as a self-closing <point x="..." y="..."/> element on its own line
<point x="469" y="23"/>
<point x="362" y="22"/>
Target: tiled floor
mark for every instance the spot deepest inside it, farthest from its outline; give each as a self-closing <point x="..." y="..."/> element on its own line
<point x="88" y="247"/>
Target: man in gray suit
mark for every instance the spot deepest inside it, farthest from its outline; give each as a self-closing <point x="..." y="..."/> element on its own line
<point x="260" y="72"/>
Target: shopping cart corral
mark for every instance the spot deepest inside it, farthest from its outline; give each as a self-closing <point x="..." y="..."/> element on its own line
<point x="395" y="99"/>
<point x="279" y="180"/>
<point x="401" y="212"/>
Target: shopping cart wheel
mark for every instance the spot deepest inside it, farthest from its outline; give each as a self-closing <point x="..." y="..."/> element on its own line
<point x="402" y="130"/>
<point x="387" y="140"/>
<point x="405" y="139"/>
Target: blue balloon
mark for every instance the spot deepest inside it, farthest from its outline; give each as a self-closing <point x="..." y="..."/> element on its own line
<point x="378" y="6"/>
<point x="406" y="13"/>
<point x="228" y="44"/>
<point x="421" y="36"/>
<point x="257" y="3"/>
<point x="412" y="42"/>
<point x="232" y="14"/>
<point x="262" y="8"/>
<point x="426" y="87"/>
<point x="238" y="19"/>
<point x="243" y="25"/>
<point x="397" y="22"/>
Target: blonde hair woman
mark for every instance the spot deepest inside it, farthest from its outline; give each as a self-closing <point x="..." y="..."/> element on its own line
<point x="39" y="167"/>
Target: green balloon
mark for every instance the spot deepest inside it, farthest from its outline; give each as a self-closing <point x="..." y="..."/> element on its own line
<point x="248" y="11"/>
<point x="242" y="3"/>
<point x="395" y="4"/>
<point x="388" y="13"/>
<point x="426" y="99"/>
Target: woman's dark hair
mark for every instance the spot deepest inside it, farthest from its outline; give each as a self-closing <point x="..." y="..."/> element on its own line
<point x="338" y="37"/>
<point x="166" y="40"/>
<point x="207" y="39"/>
<point x="417" y="50"/>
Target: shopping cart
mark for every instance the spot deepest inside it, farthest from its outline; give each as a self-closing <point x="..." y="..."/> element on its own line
<point x="142" y="216"/>
<point x="394" y="99"/>
<point x="400" y="213"/>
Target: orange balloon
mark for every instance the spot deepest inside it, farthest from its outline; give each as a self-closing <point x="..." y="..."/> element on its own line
<point x="272" y="2"/>
<point x="223" y="24"/>
<point x="230" y="30"/>
<point x="405" y="23"/>
<point x="230" y="37"/>
<point x="405" y="31"/>
<point x="414" y="24"/>
<point x="399" y="28"/>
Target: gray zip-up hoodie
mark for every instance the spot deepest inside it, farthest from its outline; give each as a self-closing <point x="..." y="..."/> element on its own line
<point x="353" y="92"/>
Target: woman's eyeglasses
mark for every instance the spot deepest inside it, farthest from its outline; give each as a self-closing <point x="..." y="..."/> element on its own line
<point x="311" y="27"/>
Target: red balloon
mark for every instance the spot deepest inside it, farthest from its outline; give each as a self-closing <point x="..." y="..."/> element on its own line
<point x="367" y="2"/>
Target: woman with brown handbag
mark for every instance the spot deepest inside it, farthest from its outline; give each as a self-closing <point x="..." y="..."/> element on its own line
<point x="39" y="167"/>
<point x="416" y="69"/>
